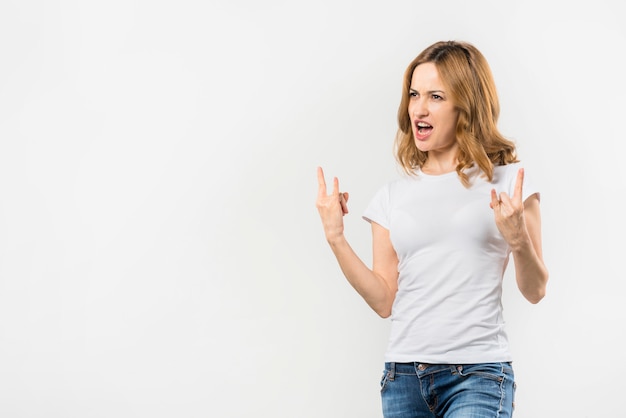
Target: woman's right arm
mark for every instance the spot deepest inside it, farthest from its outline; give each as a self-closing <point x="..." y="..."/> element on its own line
<point x="377" y="286"/>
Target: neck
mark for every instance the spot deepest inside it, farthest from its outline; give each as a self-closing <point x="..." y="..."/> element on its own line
<point x="435" y="165"/>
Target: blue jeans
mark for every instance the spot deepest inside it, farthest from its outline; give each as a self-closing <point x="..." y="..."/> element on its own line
<point x="417" y="390"/>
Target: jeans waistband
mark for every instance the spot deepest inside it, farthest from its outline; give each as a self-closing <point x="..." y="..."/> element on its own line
<point x="415" y="367"/>
<point x="411" y="368"/>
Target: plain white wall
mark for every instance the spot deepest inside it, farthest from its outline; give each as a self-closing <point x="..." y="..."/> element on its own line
<point x="160" y="250"/>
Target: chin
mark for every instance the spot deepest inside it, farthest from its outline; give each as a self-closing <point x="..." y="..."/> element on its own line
<point x="421" y="146"/>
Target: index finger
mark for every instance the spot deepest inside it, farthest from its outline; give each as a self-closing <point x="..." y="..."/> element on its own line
<point x="321" y="182"/>
<point x="517" y="194"/>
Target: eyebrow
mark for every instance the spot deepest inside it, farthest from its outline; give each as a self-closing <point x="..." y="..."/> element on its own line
<point x="429" y="92"/>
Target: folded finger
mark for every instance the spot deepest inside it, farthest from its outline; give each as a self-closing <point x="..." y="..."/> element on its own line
<point x="343" y="200"/>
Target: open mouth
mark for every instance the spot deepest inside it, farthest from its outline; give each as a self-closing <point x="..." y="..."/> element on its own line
<point x="423" y="129"/>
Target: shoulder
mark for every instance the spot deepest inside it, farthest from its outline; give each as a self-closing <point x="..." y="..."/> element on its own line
<point x="504" y="174"/>
<point x="507" y="169"/>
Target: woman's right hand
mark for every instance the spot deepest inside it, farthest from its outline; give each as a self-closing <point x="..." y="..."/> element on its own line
<point x="331" y="207"/>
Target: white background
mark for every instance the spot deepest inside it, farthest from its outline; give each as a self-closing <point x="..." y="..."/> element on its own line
<point x="160" y="250"/>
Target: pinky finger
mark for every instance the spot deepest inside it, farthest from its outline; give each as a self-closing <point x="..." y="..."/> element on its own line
<point x="494" y="199"/>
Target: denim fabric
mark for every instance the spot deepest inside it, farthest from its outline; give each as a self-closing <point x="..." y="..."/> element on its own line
<point x="417" y="390"/>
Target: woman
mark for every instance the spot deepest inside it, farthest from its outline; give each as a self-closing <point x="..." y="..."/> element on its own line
<point x="442" y="236"/>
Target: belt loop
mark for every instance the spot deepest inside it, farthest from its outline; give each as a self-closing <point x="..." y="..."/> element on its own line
<point x="392" y="371"/>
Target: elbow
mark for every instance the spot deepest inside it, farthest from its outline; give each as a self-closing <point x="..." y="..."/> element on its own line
<point x="386" y="313"/>
<point x="384" y="305"/>
<point x="535" y="295"/>
<point x="383" y="310"/>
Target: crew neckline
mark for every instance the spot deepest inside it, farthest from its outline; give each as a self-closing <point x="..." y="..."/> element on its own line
<point x="443" y="175"/>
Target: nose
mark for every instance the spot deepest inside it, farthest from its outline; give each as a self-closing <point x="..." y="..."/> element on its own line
<point x="419" y="108"/>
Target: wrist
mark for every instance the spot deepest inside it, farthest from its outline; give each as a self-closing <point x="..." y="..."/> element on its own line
<point x="336" y="239"/>
<point x="520" y="243"/>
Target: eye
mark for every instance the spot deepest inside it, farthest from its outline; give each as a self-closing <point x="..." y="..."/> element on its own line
<point x="412" y="93"/>
<point x="437" y="97"/>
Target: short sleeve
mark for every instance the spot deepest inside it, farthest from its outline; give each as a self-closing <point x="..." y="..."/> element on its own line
<point x="378" y="209"/>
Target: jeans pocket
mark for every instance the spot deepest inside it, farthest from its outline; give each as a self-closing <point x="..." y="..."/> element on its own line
<point x="384" y="380"/>
<point x="513" y="394"/>
<point x="493" y="371"/>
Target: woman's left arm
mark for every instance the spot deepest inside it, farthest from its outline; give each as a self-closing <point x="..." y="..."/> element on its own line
<point x="520" y="224"/>
<point x="530" y="271"/>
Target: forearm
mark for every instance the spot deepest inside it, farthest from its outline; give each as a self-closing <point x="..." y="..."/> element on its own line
<point x="530" y="271"/>
<point x="371" y="286"/>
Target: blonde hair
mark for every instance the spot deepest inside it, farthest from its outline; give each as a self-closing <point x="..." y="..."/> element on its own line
<point x="466" y="75"/>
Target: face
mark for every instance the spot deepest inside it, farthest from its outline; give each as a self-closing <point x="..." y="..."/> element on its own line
<point x="432" y="113"/>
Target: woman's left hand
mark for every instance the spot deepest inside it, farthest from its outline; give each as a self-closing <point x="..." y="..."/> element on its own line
<point x="509" y="212"/>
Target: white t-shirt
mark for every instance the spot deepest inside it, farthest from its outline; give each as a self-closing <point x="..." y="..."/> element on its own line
<point x="451" y="262"/>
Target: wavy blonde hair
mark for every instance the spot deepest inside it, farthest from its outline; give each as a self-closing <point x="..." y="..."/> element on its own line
<point x="466" y="75"/>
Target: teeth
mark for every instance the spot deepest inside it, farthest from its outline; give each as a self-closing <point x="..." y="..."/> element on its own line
<point x="422" y="125"/>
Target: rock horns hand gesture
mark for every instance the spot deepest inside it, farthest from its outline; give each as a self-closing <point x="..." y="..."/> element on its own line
<point x="331" y="207"/>
<point x="509" y="212"/>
